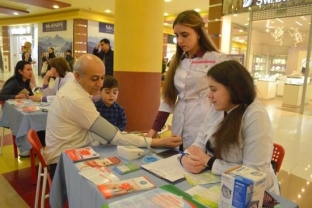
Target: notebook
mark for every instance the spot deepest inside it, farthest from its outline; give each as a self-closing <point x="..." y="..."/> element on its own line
<point x="169" y="168"/>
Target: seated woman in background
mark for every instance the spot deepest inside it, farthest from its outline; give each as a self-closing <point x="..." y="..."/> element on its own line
<point x="18" y="86"/>
<point x="237" y="131"/>
<point x="59" y="69"/>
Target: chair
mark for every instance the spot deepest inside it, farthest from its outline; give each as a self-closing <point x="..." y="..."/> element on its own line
<point x="277" y="157"/>
<point x="34" y="140"/>
<point x="2" y="136"/>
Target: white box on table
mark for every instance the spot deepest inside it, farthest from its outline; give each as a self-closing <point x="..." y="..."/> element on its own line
<point x="242" y="187"/>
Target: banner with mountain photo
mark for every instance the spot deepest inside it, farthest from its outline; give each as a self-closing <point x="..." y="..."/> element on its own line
<point x="59" y="39"/>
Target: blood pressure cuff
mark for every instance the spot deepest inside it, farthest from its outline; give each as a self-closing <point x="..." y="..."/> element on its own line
<point x="103" y="131"/>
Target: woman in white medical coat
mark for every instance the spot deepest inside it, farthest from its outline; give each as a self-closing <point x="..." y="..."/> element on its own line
<point x="185" y="90"/>
<point x="237" y="130"/>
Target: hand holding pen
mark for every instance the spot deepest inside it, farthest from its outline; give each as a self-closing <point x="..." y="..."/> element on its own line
<point x="192" y="162"/>
<point x="195" y="150"/>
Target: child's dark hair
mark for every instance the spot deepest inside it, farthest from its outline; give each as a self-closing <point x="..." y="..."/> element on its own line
<point x="110" y="82"/>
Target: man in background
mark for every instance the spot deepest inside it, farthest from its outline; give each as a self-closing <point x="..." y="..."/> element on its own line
<point x="70" y="59"/>
<point x="106" y="55"/>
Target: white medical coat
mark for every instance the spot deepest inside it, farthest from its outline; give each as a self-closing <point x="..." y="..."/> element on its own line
<point x="192" y="106"/>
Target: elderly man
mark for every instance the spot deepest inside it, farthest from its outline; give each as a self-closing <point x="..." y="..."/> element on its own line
<point x="74" y="122"/>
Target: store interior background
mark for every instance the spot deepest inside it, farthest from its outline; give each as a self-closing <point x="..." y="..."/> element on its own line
<point x="277" y="54"/>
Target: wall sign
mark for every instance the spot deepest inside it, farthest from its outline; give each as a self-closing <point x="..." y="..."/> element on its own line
<point x="261" y="2"/>
<point x="106" y="28"/>
<point x="54" y="26"/>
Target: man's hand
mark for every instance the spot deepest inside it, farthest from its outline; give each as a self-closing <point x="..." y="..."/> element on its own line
<point x="170" y="142"/>
<point x="151" y="133"/>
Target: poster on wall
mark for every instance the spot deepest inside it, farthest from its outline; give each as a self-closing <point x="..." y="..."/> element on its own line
<point x="58" y="35"/>
<point x="98" y="31"/>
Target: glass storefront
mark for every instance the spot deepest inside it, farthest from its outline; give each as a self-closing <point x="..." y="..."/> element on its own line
<point x="278" y="46"/>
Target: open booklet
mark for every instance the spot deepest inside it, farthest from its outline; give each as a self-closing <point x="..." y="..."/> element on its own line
<point x="165" y="196"/>
<point x="113" y="189"/>
<point x="169" y="168"/>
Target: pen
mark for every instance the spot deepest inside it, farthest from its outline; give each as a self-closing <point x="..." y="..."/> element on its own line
<point x="183" y="153"/>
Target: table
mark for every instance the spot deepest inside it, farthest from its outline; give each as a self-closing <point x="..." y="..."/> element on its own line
<point x="20" y="122"/>
<point x="80" y="192"/>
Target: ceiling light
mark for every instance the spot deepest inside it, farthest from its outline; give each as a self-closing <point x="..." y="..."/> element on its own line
<point x="197" y="10"/>
<point x="108" y="11"/>
<point x="281" y="21"/>
<point x="167" y="0"/>
<point x="298" y="23"/>
<point x="166" y="24"/>
<point x="12" y="11"/>
<point x="240" y="30"/>
<point x="246" y="24"/>
<point x="55" y="4"/>
<point x="166" y="14"/>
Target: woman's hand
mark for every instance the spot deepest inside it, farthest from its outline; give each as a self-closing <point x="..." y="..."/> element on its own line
<point x="49" y="74"/>
<point x="21" y="96"/>
<point x="195" y="150"/>
<point x="170" y="142"/>
<point x="192" y="163"/>
<point x="35" y="98"/>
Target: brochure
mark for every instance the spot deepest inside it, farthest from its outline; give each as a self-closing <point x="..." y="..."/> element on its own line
<point x="99" y="175"/>
<point x="201" y="178"/>
<point x="126" y="168"/>
<point x="114" y="189"/>
<point x="165" y="196"/>
<point x="81" y="154"/>
<point x="207" y="197"/>
<point x="31" y="108"/>
<point x="98" y="163"/>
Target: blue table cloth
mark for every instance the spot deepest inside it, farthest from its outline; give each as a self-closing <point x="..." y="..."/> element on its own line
<point x="80" y="192"/>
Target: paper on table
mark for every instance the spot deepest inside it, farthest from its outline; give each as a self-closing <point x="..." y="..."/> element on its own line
<point x="99" y="175"/>
<point x="195" y="190"/>
<point x="169" y="168"/>
<point x="153" y="198"/>
<point x="207" y="197"/>
<point x="201" y="178"/>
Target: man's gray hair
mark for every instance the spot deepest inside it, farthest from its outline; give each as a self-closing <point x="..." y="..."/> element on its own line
<point x="77" y="67"/>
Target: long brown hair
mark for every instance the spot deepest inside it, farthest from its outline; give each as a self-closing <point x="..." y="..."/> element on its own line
<point x="192" y="19"/>
<point x="242" y="92"/>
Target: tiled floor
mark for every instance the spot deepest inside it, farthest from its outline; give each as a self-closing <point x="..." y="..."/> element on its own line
<point x="292" y="131"/>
